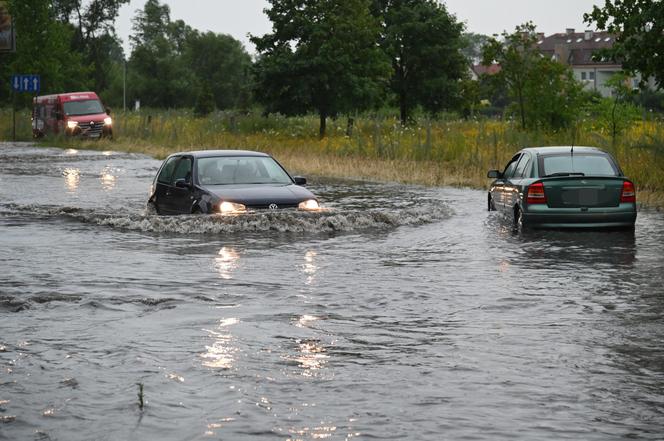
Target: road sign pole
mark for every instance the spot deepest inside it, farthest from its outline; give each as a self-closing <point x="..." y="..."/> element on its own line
<point x="14" y="116"/>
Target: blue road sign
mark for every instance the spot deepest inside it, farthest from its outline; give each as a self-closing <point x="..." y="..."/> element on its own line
<point x="26" y="83"/>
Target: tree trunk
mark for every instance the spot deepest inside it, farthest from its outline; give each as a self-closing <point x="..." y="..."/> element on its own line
<point x="323" y="124"/>
<point x="522" y="109"/>
<point x="403" y="109"/>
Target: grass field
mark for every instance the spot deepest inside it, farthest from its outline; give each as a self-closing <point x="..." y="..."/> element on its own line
<point x="432" y="153"/>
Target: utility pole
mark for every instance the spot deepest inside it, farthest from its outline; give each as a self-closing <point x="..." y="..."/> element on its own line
<point x="124" y="87"/>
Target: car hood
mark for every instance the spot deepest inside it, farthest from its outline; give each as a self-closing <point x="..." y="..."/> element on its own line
<point x="82" y="119"/>
<point x="261" y="194"/>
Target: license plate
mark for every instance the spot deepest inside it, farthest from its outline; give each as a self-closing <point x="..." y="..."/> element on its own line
<point x="588" y="196"/>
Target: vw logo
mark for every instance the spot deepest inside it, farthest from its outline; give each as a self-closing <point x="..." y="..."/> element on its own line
<point x="273" y="206"/>
<point x="92" y="123"/>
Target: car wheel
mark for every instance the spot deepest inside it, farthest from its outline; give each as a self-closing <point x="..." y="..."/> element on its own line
<point x="518" y="219"/>
<point x="492" y="207"/>
<point x="151" y="209"/>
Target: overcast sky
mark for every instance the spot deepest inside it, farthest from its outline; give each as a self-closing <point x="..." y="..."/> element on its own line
<point x="241" y="17"/>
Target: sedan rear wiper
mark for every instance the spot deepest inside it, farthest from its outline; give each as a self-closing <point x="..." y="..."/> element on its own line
<point x="552" y="175"/>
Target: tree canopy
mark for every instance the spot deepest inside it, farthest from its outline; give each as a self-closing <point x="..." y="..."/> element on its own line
<point x="423" y="42"/>
<point x="639" y="26"/>
<point x="322" y="56"/>
<point x="543" y="91"/>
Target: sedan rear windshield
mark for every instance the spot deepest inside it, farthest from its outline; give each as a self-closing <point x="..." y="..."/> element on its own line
<point x="577" y="164"/>
<point x="225" y="170"/>
<point x="86" y="107"/>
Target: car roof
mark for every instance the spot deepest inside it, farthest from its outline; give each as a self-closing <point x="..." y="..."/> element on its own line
<point x="216" y="153"/>
<point x="552" y="150"/>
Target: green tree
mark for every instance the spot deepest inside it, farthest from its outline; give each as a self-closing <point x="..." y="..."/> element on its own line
<point x="543" y="91"/>
<point x="42" y="47"/>
<point x="322" y="56"/>
<point x="472" y="46"/>
<point x="223" y="65"/>
<point x="158" y="72"/>
<point x="423" y="42"/>
<point x="639" y="25"/>
<point x="93" y="25"/>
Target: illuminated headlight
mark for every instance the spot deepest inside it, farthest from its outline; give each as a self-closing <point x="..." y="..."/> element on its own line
<point x="72" y="124"/>
<point x="309" y="205"/>
<point x="108" y="121"/>
<point x="231" y="207"/>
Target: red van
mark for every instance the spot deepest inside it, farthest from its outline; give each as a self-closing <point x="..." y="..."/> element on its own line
<point x="73" y="114"/>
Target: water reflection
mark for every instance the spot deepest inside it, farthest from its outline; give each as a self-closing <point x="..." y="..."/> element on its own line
<point x="309" y="268"/>
<point x="544" y="249"/>
<point x="227" y="262"/>
<point x="72" y="178"/>
<point x="319" y="432"/>
<point x="108" y="179"/>
<point x="311" y="356"/>
<point x="221" y="354"/>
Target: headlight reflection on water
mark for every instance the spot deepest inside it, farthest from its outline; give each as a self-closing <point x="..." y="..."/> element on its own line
<point x="309" y="268"/>
<point x="221" y="353"/>
<point x="72" y="178"/>
<point x="227" y="262"/>
<point x="108" y="179"/>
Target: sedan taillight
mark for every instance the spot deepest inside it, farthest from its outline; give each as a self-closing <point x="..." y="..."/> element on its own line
<point x="628" y="193"/>
<point x="536" y="194"/>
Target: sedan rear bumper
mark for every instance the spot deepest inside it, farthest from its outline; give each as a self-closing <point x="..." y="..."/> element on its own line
<point x="623" y="216"/>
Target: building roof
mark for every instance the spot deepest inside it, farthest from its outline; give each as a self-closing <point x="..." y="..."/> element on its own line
<point x="577" y="48"/>
<point x="480" y="69"/>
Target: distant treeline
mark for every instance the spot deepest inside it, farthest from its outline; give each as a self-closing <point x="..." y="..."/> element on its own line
<point x="327" y="57"/>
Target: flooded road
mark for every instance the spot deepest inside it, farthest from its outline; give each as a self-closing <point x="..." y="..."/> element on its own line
<point x="402" y="313"/>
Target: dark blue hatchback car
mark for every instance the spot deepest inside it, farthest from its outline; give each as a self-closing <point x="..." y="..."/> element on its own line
<point x="226" y="182"/>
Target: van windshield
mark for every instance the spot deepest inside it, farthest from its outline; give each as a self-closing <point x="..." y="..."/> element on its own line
<point x="87" y="107"/>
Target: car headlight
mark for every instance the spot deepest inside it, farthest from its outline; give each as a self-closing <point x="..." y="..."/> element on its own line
<point x="72" y="124"/>
<point x="108" y="121"/>
<point x="309" y="205"/>
<point x="231" y="207"/>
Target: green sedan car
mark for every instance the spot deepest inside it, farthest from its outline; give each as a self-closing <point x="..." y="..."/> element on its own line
<point x="563" y="187"/>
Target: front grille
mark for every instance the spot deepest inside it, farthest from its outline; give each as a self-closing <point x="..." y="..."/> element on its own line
<point x="91" y="129"/>
<point x="267" y="206"/>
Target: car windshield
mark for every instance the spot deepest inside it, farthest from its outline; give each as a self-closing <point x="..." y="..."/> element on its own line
<point x="228" y="170"/>
<point x="87" y="107"/>
<point x="578" y="164"/>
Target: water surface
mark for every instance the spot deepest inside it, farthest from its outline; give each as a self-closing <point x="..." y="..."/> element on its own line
<point x="401" y="313"/>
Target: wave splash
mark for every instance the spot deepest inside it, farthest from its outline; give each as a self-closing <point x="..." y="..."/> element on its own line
<point x="283" y="221"/>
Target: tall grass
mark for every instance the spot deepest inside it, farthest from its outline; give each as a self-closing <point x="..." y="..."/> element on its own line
<point x="432" y="152"/>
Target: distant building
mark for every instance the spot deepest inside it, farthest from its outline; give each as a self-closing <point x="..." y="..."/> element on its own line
<point x="478" y="70"/>
<point x="578" y="51"/>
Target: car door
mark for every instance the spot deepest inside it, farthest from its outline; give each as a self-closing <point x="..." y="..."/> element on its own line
<point x="180" y="198"/>
<point x="162" y="189"/>
<point x="513" y="183"/>
<point x="501" y="189"/>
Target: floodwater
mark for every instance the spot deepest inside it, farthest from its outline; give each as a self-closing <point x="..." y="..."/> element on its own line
<point x="401" y="313"/>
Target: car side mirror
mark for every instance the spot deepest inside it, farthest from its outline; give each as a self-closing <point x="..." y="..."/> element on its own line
<point x="494" y="174"/>
<point x="182" y="183"/>
<point x="299" y="180"/>
<point x="108" y="111"/>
